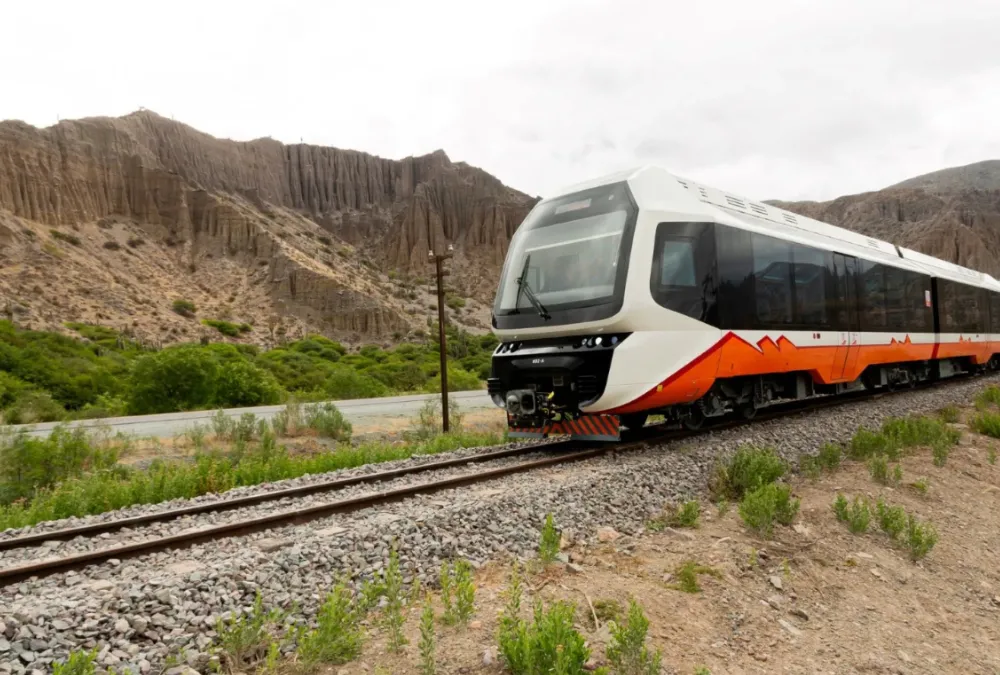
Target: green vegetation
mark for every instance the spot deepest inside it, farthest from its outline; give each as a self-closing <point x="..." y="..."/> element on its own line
<point x="68" y="238"/>
<point x="227" y="327"/>
<point x="48" y="377"/>
<point x="628" y="653"/>
<point x="426" y="644"/>
<point x="987" y="423"/>
<point x="458" y="593"/>
<point x="184" y="307"/>
<point x="989" y="397"/>
<point x="748" y="469"/>
<point x="949" y="414"/>
<point x="901" y="433"/>
<point x="78" y="663"/>
<point x="902" y="528"/>
<point x="768" y="504"/>
<point x="685" y="515"/>
<point x="548" y="545"/>
<point x="548" y="644"/>
<point x="66" y="475"/>
<point x="687" y="576"/>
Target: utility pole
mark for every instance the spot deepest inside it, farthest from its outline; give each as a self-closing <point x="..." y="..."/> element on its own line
<point x="441" y="274"/>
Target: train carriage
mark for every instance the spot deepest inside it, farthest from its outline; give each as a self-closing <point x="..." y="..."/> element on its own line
<point x="643" y="293"/>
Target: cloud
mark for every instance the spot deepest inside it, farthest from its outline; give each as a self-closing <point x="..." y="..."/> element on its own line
<point x="773" y="99"/>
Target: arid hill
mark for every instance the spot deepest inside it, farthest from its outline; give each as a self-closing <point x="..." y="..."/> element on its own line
<point x="111" y="220"/>
<point x="953" y="214"/>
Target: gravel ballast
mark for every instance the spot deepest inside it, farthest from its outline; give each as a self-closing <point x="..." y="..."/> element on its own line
<point x="137" y="612"/>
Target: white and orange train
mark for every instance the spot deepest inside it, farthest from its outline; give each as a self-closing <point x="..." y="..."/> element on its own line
<point x="643" y="293"/>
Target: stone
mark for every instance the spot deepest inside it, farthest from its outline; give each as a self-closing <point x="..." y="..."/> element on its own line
<point x="797" y="611"/>
<point x="271" y="544"/>
<point x="792" y="630"/>
<point x="573" y="568"/>
<point x="59" y="624"/>
<point x="607" y="534"/>
<point x="122" y="626"/>
<point x="775" y="581"/>
<point x="775" y="601"/>
<point x="904" y="657"/>
<point x="680" y="534"/>
<point x="101" y="585"/>
<point x="487" y="655"/>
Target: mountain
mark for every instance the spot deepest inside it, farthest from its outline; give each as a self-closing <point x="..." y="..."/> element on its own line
<point x="953" y="214"/>
<point x="112" y="220"/>
<point x="978" y="176"/>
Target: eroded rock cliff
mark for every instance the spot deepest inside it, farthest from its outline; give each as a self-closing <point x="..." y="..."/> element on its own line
<point x="325" y="235"/>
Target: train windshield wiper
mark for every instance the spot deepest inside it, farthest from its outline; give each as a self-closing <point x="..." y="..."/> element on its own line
<point x="522" y="285"/>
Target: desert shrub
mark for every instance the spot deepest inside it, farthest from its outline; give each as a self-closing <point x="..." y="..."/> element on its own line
<point x="243" y="384"/>
<point x="184" y="307"/>
<point x="177" y="378"/>
<point x="766" y="505"/>
<point x="748" y="469"/>
<point x="225" y="327"/>
<point x="112" y="245"/>
<point x="987" y="423"/>
<point x="68" y="238"/>
<point x="628" y="653"/>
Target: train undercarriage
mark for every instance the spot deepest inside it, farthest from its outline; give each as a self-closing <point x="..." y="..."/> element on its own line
<point x="535" y="411"/>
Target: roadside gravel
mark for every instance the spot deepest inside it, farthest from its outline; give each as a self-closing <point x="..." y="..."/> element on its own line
<point x="139" y="611"/>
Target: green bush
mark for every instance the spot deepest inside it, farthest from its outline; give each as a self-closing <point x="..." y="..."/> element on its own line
<point x="184" y="307"/>
<point x="987" y="423"/>
<point x="242" y="384"/>
<point x="225" y="327"/>
<point x="766" y="505"/>
<point x="177" y="378"/>
<point x="748" y="469"/>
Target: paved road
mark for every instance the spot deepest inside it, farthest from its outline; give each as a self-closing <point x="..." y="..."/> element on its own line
<point x="365" y="412"/>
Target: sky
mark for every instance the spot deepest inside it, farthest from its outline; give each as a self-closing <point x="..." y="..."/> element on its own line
<point x="772" y="99"/>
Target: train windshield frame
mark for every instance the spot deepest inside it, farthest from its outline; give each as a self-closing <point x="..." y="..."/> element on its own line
<point x="567" y="262"/>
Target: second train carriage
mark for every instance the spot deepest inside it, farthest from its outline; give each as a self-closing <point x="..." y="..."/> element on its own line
<point x="642" y="293"/>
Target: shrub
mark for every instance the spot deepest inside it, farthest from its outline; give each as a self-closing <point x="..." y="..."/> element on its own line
<point x="112" y="245"/>
<point x="33" y="407"/>
<point x="987" y="423"/>
<point x="458" y="380"/>
<point x="748" y="469"/>
<point x="549" y="644"/>
<point x="245" y="639"/>
<point x="327" y="421"/>
<point x="184" y="307"/>
<point x="628" y="653"/>
<point x="242" y="384"/>
<point x="687" y="576"/>
<point x="337" y="637"/>
<point x="949" y="414"/>
<point x="394" y="618"/>
<point x="673" y="516"/>
<point x="78" y="663"/>
<point x="225" y="327"/>
<point x="767" y="504"/>
<point x="920" y="538"/>
<point x="940" y="453"/>
<point x="891" y="519"/>
<point x="548" y="546"/>
<point x="856" y="515"/>
<point x="988" y="397"/>
<point x="68" y="238"/>
<point x="427" y="661"/>
<point x="135" y="242"/>
<point x="177" y="378"/>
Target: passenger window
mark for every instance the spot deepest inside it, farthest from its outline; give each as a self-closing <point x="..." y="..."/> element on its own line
<point x="810" y="286"/>
<point x="772" y="272"/>
<point x="872" y="295"/>
<point x="677" y="263"/>
<point x="895" y="298"/>
<point x="995" y="312"/>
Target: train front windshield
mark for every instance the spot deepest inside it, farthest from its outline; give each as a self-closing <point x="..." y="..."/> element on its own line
<point x="567" y="253"/>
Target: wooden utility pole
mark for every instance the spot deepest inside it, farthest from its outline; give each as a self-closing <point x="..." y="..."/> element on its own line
<point x="441" y="273"/>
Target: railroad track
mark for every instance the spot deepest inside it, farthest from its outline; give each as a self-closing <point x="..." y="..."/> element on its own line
<point x="571" y="451"/>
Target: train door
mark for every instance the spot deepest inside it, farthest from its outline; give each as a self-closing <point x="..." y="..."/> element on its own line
<point x="846" y="271"/>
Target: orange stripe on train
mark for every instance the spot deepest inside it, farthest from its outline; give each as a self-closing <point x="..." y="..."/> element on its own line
<point x="733" y="356"/>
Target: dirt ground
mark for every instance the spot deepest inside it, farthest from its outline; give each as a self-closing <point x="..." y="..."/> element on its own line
<point x="814" y="599"/>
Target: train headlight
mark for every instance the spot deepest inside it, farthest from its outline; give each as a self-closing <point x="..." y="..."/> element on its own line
<point x="498" y="400"/>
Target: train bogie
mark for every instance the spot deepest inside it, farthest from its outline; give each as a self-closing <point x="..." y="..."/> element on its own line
<point x="649" y="294"/>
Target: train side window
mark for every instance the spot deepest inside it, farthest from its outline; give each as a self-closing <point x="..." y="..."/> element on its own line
<point x="918" y="315"/>
<point x="995" y="313"/>
<point x="772" y="271"/>
<point x="810" y="285"/>
<point x="970" y="300"/>
<point x="950" y="307"/>
<point x="677" y="263"/>
<point x="895" y="298"/>
<point x="872" y="295"/>
<point x="683" y="277"/>
<point x="735" y="260"/>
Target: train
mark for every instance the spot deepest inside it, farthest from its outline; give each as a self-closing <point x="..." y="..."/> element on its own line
<point x="644" y="293"/>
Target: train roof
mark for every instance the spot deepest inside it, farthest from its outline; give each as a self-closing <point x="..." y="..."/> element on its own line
<point x="656" y="187"/>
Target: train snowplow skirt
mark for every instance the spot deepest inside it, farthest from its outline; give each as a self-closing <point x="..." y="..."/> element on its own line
<point x="587" y="427"/>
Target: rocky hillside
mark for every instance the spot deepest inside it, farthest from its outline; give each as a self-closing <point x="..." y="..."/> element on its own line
<point x="111" y="220"/>
<point x="952" y="214"/>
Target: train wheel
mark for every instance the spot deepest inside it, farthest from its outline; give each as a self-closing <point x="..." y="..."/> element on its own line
<point x="748" y="411"/>
<point x="695" y="420"/>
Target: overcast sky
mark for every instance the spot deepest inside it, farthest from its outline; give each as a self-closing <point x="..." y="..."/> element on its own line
<point x="772" y="98"/>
